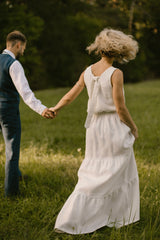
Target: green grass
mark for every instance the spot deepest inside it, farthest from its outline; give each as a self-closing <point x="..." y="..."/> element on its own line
<point x="51" y="153"/>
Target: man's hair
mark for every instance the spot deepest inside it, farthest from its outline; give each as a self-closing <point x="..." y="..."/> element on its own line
<point x="15" y="36"/>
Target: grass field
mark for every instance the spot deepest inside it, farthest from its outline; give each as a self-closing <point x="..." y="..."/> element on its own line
<point x="51" y="153"/>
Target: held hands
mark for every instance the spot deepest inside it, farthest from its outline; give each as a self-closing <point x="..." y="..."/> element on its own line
<point x="53" y="109"/>
<point x="47" y="113"/>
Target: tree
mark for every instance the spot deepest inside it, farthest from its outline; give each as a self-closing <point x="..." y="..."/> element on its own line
<point x="16" y="16"/>
<point x="59" y="31"/>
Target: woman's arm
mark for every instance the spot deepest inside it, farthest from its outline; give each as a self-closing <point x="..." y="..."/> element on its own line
<point x="71" y="95"/>
<point x="118" y="97"/>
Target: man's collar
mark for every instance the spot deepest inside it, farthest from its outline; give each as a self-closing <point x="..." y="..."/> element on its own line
<point x="6" y="51"/>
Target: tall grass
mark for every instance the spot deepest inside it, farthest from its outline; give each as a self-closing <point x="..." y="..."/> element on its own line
<point x="51" y="153"/>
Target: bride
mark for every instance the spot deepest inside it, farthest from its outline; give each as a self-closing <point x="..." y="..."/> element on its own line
<point x="107" y="191"/>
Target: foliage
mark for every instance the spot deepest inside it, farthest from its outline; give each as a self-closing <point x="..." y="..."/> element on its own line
<point x="16" y="16"/>
<point x="64" y="38"/>
<point x="59" y="31"/>
<point x="51" y="153"/>
<point x="145" y="27"/>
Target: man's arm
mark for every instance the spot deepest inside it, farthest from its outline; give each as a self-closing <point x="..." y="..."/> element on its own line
<point x="19" y="79"/>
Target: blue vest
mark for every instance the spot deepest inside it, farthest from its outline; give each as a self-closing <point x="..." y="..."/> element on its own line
<point x="8" y="92"/>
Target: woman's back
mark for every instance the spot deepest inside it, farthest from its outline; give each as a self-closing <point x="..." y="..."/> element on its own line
<point x="99" y="89"/>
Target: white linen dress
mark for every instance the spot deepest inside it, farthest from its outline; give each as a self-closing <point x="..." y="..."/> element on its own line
<point x="107" y="192"/>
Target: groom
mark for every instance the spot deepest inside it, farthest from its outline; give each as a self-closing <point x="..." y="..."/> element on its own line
<point x="12" y="84"/>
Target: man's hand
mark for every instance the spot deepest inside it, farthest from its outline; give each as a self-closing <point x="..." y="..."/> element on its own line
<point x="48" y="114"/>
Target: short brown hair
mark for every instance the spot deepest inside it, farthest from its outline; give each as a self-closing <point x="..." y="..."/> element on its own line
<point x="16" y="36"/>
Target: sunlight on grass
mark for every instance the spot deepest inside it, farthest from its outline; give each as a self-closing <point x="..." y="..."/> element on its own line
<point x="51" y="153"/>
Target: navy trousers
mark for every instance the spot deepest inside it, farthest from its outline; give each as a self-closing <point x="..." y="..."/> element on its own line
<point x="11" y="129"/>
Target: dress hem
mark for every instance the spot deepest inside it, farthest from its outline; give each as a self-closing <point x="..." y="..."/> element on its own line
<point x="62" y="230"/>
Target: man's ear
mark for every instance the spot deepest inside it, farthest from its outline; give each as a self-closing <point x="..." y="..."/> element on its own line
<point x="18" y="44"/>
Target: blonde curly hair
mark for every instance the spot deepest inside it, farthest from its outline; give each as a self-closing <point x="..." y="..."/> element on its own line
<point x="114" y="44"/>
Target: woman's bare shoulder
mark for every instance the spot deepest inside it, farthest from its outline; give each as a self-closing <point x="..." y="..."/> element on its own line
<point x="117" y="76"/>
<point x="118" y="73"/>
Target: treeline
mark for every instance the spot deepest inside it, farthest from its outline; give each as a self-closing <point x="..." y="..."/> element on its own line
<point x="58" y="32"/>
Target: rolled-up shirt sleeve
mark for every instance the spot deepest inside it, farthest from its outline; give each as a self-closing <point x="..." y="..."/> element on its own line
<point x="17" y="74"/>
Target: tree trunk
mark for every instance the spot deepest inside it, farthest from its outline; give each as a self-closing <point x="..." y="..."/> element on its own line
<point x="131" y="12"/>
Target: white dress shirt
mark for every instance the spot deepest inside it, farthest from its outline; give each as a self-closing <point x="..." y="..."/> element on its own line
<point x="19" y="79"/>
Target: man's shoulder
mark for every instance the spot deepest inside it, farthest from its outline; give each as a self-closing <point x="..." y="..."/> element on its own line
<point x="17" y="63"/>
<point x="16" y="67"/>
<point x="6" y="60"/>
<point x="7" y="57"/>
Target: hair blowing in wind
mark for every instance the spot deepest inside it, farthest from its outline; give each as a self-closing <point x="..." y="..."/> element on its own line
<point x="115" y="44"/>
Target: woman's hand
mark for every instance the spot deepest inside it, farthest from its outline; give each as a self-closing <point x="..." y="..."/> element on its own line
<point x="48" y="114"/>
<point x="135" y="132"/>
<point x="55" y="110"/>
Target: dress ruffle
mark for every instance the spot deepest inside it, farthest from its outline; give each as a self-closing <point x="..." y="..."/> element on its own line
<point x="84" y="213"/>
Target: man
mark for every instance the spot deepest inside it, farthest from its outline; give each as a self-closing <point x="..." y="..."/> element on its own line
<point x="12" y="83"/>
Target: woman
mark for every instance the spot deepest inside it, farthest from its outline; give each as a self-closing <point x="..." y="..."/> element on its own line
<point x="107" y="192"/>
